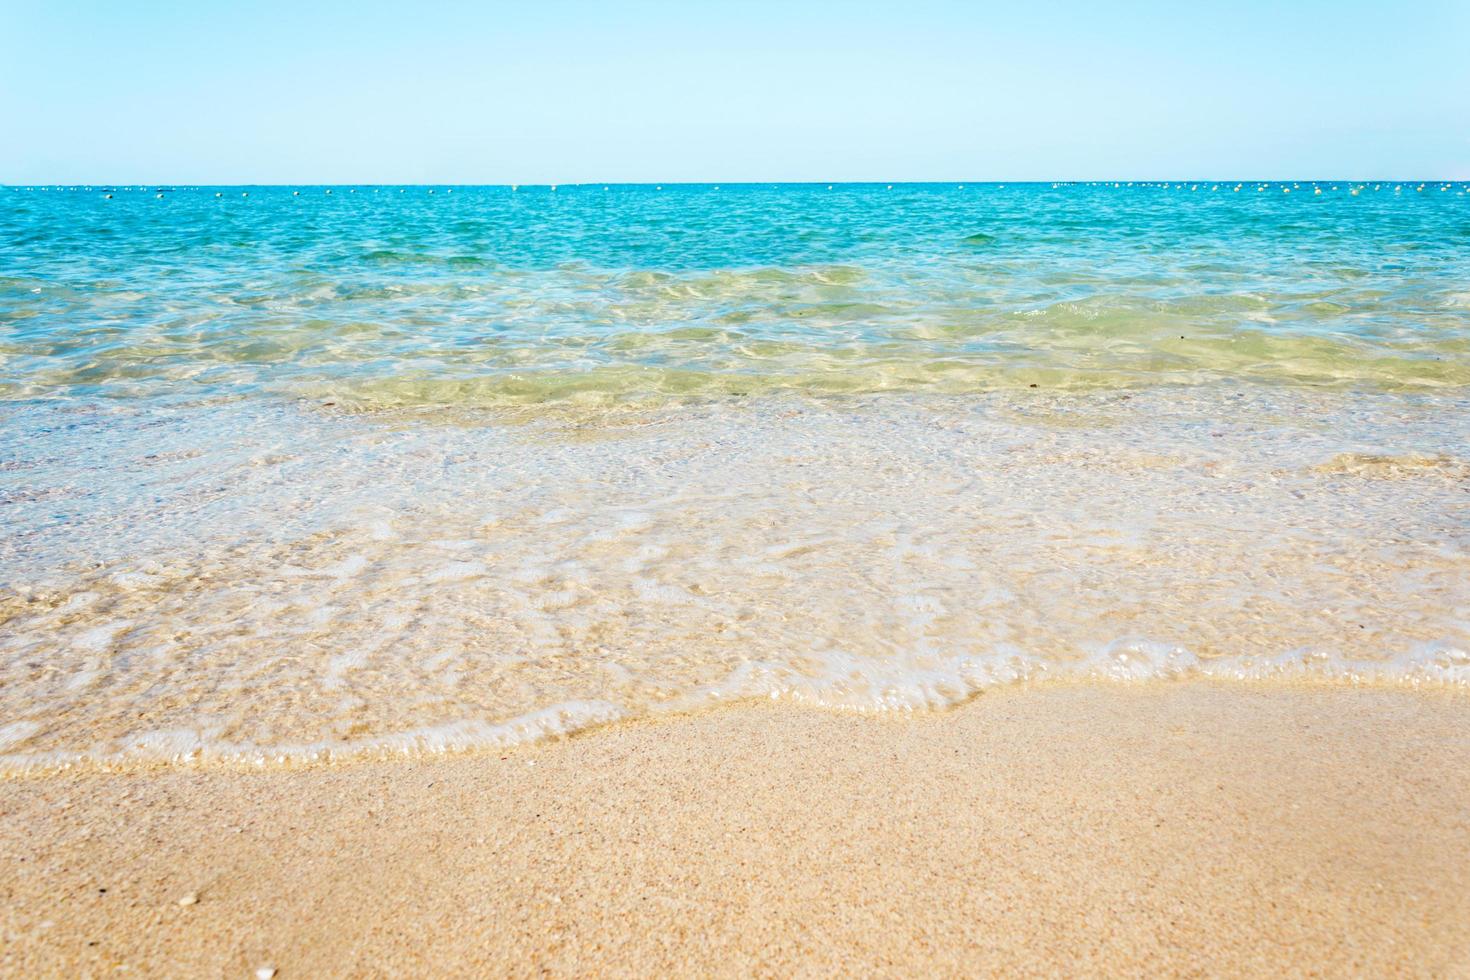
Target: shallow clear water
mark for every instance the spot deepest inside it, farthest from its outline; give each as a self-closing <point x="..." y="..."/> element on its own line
<point x="292" y="476"/>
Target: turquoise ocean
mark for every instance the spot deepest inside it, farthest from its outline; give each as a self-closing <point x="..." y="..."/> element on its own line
<point x="292" y="474"/>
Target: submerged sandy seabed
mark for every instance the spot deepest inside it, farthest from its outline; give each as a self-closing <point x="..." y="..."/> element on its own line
<point x="1160" y="828"/>
<point x="288" y="584"/>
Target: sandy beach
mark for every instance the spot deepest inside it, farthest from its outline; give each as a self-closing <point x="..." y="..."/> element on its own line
<point x="734" y="490"/>
<point x="1178" y="829"/>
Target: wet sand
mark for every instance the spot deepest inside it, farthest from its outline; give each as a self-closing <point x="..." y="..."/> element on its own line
<point x="1163" y="828"/>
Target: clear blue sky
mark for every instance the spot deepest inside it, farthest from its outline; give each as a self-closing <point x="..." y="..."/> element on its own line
<point x="560" y="90"/>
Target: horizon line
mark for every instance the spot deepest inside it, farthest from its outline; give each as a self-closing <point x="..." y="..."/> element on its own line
<point x="895" y="182"/>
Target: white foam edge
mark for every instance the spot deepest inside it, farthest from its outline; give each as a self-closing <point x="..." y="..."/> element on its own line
<point x="866" y="684"/>
<point x="838" y="681"/>
<point x="187" y="747"/>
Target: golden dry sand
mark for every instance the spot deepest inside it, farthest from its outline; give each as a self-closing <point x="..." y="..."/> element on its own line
<point x="1169" y="829"/>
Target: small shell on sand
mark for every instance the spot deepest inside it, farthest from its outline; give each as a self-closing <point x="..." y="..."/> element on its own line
<point x="265" y="972"/>
<point x="190" y="898"/>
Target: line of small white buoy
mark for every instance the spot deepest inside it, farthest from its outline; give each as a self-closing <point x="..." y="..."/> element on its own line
<point x="1286" y="187"/>
<point x="1317" y="188"/>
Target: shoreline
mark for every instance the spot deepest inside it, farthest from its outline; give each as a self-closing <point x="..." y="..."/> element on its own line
<point x="1177" y="827"/>
<point x="559" y="722"/>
